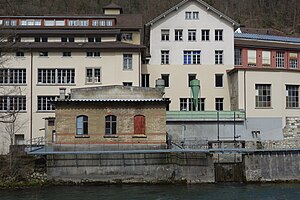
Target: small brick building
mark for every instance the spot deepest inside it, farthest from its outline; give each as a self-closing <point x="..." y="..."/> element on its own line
<point x="131" y="117"/>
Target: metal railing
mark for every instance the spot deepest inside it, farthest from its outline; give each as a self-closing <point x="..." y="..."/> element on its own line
<point x="206" y="115"/>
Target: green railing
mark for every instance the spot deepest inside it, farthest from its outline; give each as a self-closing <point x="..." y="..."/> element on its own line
<point x="205" y="115"/>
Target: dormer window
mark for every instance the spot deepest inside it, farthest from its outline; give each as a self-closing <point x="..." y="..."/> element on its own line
<point x="67" y="39"/>
<point x="78" y="22"/>
<point x="94" y="39"/>
<point x="127" y="36"/>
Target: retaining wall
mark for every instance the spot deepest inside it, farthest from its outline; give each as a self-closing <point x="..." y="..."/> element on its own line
<point x="133" y="168"/>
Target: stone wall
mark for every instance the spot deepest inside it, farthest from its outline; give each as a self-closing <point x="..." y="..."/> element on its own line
<point x="133" y="168"/>
<point x="272" y="166"/>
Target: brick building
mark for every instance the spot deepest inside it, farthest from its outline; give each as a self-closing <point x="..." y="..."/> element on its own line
<point x="112" y="115"/>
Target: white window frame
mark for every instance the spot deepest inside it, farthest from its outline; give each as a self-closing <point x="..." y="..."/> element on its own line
<point x="93" y="75"/>
<point x="127" y="61"/>
<point x="280" y="59"/>
<point x="13" y="76"/>
<point x="165" y="57"/>
<point x="12" y="103"/>
<point x="56" y="76"/>
<point x="219" y="35"/>
<point x="219" y="57"/>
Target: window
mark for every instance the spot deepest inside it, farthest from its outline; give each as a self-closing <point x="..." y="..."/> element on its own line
<point x="178" y="35"/>
<point x="127" y="61"/>
<point x="266" y="58"/>
<point x="187" y="104"/>
<point x="190" y="78"/>
<point x="20" y="53"/>
<point x="165" y="35"/>
<point x="127" y="36"/>
<point x="293" y="60"/>
<point x="192" y="15"/>
<point x="165" y="57"/>
<point x="168" y="105"/>
<point x="166" y="78"/>
<point x="218" y="35"/>
<point x="12" y="103"/>
<point x="93" y="75"/>
<point x="292" y="96"/>
<point x="56" y="76"/>
<point x="205" y="35"/>
<point x="251" y="57"/>
<point x="191" y="57"/>
<point x="31" y="22"/>
<point x="54" y="23"/>
<point x="82" y="124"/>
<point x="201" y="104"/>
<point x="102" y="22"/>
<point x="94" y="39"/>
<point x="93" y="54"/>
<point x="279" y="59"/>
<point x="12" y="76"/>
<point x="219" y="104"/>
<point x="263" y="95"/>
<point x="219" y="57"/>
<point x="192" y="35"/>
<point x="43" y="54"/>
<point x="110" y="125"/>
<point x="66" y="54"/>
<point x="183" y="104"/>
<point x="139" y="124"/>
<point x="127" y="83"/>
<point x="44" y="103"/>
<point x="145" y="80"/>
<point x="67" y="39"/>
<point x="218" y="80"/>
<point x="77" y="22"/>
<point x="237" y="56"/>
<point x="40" y="39"/>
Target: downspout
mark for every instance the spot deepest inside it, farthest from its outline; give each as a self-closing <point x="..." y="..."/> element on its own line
<point x="245" y="96"/>
<point x="140" y="69"/>
<point x="31" y="93"/>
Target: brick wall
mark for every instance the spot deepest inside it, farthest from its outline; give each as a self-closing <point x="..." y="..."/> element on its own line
<point x="155" y="119"/>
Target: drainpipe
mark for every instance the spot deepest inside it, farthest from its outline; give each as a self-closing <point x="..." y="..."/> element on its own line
<point x="140" y="69"/>
<point x="31" y="94"/>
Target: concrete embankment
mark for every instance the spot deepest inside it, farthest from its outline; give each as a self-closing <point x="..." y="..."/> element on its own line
<point x="175" y="167"/>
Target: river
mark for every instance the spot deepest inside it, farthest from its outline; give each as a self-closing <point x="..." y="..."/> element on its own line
<point x="158" y="192"/>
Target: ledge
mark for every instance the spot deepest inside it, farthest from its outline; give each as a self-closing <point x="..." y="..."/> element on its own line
<point x="110" y="136"/>
<point x="139" y="136"/>
<point x="82" y="136"/>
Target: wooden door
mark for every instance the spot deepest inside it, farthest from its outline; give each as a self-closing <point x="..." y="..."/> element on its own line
<point x="139" y="124"/>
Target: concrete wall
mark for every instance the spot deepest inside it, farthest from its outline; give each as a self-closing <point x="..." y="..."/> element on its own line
<point x="272" y="166"/>
<point x="130" y="168"/>
<point x="203" y="130"/>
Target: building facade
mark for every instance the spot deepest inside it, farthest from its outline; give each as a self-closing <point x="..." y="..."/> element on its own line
<point x="265" y="84"/>
<point x="249" y="82"/>
<point x="44" y="53"/>
<point x="116" y="116"/>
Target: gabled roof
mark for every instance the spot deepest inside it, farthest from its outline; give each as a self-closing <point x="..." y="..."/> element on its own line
<point x="112" y="5"/>
<point x="208" y="7"/>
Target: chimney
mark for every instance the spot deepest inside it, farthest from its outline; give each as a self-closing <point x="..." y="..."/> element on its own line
<point x="160" y="85"/>
<point x="62" y="93"/>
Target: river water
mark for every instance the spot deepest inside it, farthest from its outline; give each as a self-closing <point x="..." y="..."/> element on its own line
<point x="159" y="192"/>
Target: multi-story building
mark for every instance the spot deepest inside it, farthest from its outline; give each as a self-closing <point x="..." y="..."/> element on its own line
<point x="265" y="84"/>
<point x="45" y="53"/>
<point x="190" y="41"/>
<point x="249" y="82"/>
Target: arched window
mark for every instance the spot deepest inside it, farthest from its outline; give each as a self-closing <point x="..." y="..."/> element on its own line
<point x="82" y="124"/>
<point x="110" y="125"/>
<point x="139" y="124"/>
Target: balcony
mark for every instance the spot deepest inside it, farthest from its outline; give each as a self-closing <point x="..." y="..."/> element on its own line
<point x="205" y="116"/>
